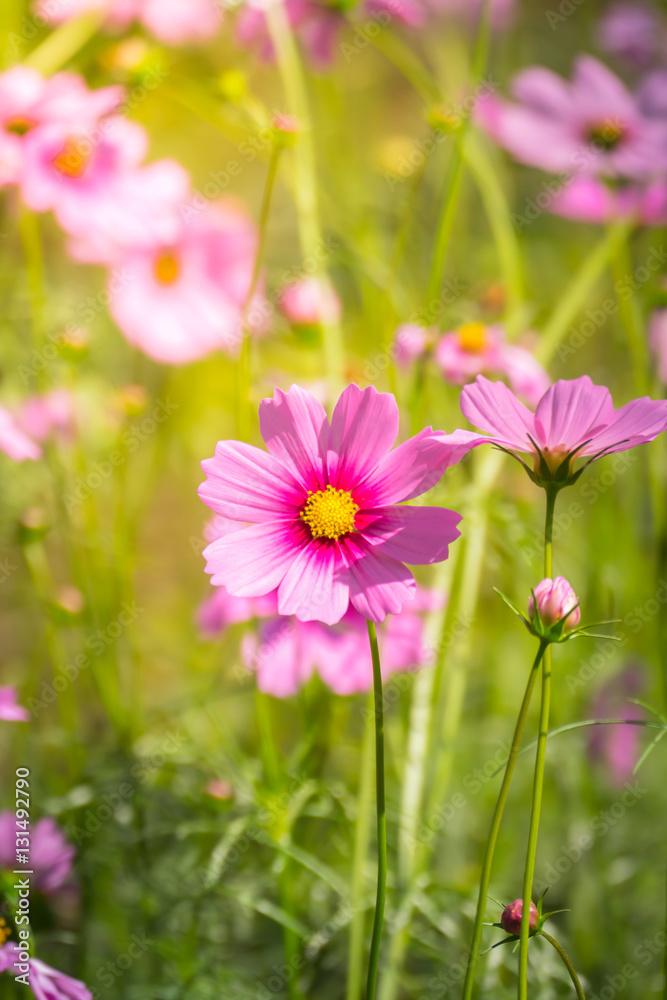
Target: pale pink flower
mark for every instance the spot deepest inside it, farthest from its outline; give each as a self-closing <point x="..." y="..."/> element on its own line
<point x="411" y="341"/>
<point x="221" y="610"/>
<point x="51" y="856"/>
<point x="174" y="22"/>
<point x="632" y="30"/>
<point x="556" y="601"/>
<point x="46" y="983"/>
<point x="288" y="652"/>
<point x="310" y="302"/>
<point x="588" y="199"/>
<point x="14" y="441"/>
<point x="182" y="300"/>
<point x="328" y="522"/>
<point x="10" y="710"/>
<point x="29" y="101"/>
<point x="53" y="413"/>
<point x="591" y="126"/>
<point x="573" y="419"/>
<point x="618" y="746"/>
<point x="475" y="348"/>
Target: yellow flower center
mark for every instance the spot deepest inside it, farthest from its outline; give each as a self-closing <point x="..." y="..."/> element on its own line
<point x="18" y="126"/>
<point x="554" y="458"/>
<point x="73" y="159"/>
<point x="167" y="268"/>
<point x="472" y="337"/>
<point x="606" y="134"/>
<point x="329" y="513"/>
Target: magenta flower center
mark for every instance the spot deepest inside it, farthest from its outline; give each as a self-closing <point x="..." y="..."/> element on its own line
<point x="329" y="513"/>
<point x="167" y="268"/>
<point x="73" y="159"/>
<point x="606" y="135"/>
<point x="472" y="338"/>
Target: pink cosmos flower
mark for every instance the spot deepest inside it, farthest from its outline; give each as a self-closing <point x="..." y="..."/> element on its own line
<point x="180" y="301"/>
<point x="46" y="983"/>
<point x="587" y="199"/>
<point x="411" y="341"/>
<point x="51" y="856"/>
<point x="52" y="413"/>
<point x="325" y="504"/>
<point x="174" y="22"/>
<point x="618" y="746"/>
<point x="288" y="652"/>
<point x="14" y="441"/>
<point x="221" y="610"/>
<point x="658" y="338"/>
<point x="631" y="30"/>
<point x="310" y="302"/>
<point x="28" y="101"/>
<point x="556" y="601"/>
<point x="10" y="711"/>
<point x="475" y="347"/>
<point x="573" y="419"/>
<point x="591" y="126"/>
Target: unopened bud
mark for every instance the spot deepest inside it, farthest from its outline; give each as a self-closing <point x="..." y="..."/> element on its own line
<point x="511" y="918"/>
<point x="556" y="601"/>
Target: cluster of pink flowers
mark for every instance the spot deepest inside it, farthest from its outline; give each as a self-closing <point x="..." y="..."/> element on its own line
<point x="174" y="22"/>
<point x="180" y="268"/>
<point x="606" y="144"/>
<point x="475" y="349"/>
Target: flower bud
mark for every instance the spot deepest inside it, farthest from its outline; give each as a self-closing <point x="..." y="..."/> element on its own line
<point x="555" y="601"/>
<point x="511" y="918"/>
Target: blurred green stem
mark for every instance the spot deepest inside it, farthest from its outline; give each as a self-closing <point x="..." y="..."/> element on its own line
<point x="361" y="840"/>
<point x="378" y="712"/>
<point x="489" y="851"/>
<point x="538" y="779"/>
<point x="60" y="45"/>
<point x="630" y="316"/>
<point x="567" y="963"/>
<point x="244" y="366"/>
<point x="305" y="187"/>
<point x="589" y="274"/>
<point x="31" y="242"/>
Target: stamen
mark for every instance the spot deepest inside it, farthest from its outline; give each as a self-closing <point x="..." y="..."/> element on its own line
<point x="167" y="268"/>
<point x="472" y="337"/>
<point x="606" y="135"/>
<point x="73" y="159"/>
<point x="329" y="513"/>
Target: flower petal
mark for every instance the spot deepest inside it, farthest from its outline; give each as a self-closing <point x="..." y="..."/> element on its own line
<point x="296" y="431"/>
<point x="411" y="469"/>
<point x="379" y="585"/>
<point x="282" y="659"/>
<point x="635" y="423"/>
<point x="245" y="483"/>
<point x="363" y="429"/>
<point x="414" y="535"/>
<point x="252" y="562"/>
<point x="316" y="587"/>
<point x="495" y="408"/>
<point x="572" y="411"/>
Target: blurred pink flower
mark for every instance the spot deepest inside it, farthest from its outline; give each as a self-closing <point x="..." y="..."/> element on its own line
<point x="28" y="101"/>
<point x="51" y="856"/>
<point x="179" y="302"/>
<point x="475" y="348"/>
<point x="52" y="413"/>
<point x="316" y="26"/>
<point x="592" y="126"/>
<point x="14" y="441"/>
<point x="556" y="600"/>
<point x="310" y="301"/>
<point x="288" y="651"/>
<point x="658" y="337"/>
<point x="10" y="711"/>
<point x="411" y="341"/>
<point x="587" y="199"/>
<point x="618" y="746"/>
<point x="631" y="30"/>
<point x="220" y="610"/>
<point x="174" y="22"/>
<point x="325" y="504"/>
<point x="46" y="983"/>
<point x="574" y="419"/>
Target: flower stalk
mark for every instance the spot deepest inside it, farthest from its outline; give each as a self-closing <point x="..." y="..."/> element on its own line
<point x="378" y="919"/>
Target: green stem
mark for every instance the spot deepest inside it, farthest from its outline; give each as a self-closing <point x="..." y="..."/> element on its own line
<point x="567" y="963"/>
<point x="538" y="779"/>
<point x="361" y="839"/>
<point x="63" y="43"/>
<point x="381" y="815"/>
<point x="580" y="289"/>
<point x="31" y="241"/>
<point x="489" y="852"/>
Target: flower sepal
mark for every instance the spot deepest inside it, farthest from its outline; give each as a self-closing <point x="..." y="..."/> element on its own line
<point x="558" y="631"/>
